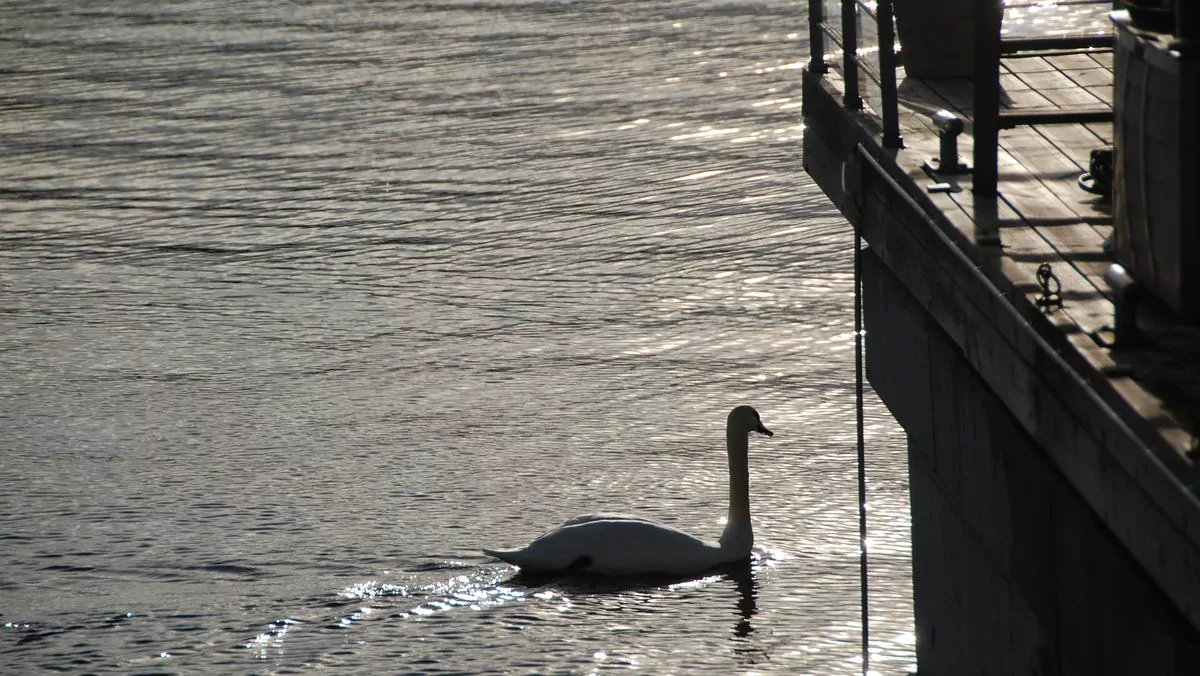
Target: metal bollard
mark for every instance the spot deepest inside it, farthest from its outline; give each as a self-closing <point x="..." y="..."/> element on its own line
<point x="949" y="126"/>
<point x="1128" y="294"/>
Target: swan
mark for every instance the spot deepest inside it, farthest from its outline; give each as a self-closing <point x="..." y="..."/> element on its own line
<point x="608" y="544"/>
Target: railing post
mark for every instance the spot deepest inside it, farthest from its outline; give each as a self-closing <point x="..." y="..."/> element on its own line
<point x="849" y="53"/>
<point x="816" y="36"/>
<point x="887" y="75"/>
<point x="988" y="14"/>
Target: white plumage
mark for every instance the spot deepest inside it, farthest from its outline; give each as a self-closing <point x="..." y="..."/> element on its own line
<point x="610" y="544"/>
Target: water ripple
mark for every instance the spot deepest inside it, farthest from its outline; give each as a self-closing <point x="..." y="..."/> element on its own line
<point x="305" y="302"/>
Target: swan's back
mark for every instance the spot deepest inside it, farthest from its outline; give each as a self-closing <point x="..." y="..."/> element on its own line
<point x="613" y="545"/>
<point x="621" y="545"/>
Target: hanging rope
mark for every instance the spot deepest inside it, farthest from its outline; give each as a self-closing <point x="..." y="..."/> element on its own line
<point x="862" y="459"/>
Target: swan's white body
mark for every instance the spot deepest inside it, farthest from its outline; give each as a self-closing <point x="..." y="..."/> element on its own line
<point x="624" y="545"/>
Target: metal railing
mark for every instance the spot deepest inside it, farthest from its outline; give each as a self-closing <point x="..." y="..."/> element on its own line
<point x="846" y="38"/>
<point x="989" y="49"/>
<point x="989" y="119"/>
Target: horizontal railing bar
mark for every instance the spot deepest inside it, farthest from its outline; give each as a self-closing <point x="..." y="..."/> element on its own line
<point x="1056" y="52"/>
<point x="868" y="9"/>
<point x="1015" y="118"/>
<point x="1074" y="42"/>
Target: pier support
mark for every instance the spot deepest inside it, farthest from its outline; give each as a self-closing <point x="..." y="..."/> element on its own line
<point x="1013" y="572"/>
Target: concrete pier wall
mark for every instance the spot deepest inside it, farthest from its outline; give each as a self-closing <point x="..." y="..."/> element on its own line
<point x="1013" y="571"/>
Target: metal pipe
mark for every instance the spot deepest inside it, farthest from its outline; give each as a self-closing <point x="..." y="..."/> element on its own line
<point x="1066" y="43"/>
<point x="867" y="7"/>
<point x="816" y="38"/>
<point x="987" y="96"/>
<point x="851" y="99"/>
<point x="1015" y="118"/>
<point x="887" y="72"/>
<point x="1125" y="304"/>
<point x="949" y="126"/>
<point x="864" y="577"/>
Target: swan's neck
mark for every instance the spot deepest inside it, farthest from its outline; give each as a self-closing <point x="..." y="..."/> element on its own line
<point x="738" y="537"/>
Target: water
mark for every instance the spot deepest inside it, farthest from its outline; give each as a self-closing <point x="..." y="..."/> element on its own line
<point x="302" y="303"/>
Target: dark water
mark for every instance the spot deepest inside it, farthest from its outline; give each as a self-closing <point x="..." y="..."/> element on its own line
<point x="301" y="303"/>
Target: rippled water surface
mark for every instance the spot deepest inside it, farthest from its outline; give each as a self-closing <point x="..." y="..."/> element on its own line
<point x="302" y="303"/>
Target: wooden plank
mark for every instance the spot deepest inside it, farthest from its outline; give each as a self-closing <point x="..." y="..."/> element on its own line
<point x="1026" y="247"/>
<point x="1024" y="98"/>
<point x="1076" y="142"/>
<point x="1088" y="263"/>
<point x="1058" y="89"/>
<point x="1102" y="131"/>
<point x="1074" y="97"/>
<point x="1066" y="62"/>
<point x="1091" y="77"/>
<point x="1079" y="240"/>
<point x="1085" y="307"/>
<point x="1047" y="79"/>
<point x="1104" y="94"/>
<point x="1053" y="232"/>
<point x="1057" y="170"/>
<point x="1103" y="59"/>
<point x="1028" y="64"/>
<point x="1010" y="82"/>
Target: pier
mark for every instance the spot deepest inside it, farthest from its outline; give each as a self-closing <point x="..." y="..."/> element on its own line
<point x="1030" y="322"/>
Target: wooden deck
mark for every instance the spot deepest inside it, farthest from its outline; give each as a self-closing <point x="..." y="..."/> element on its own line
<point x="1115" y="428"/>
<point x="1043" y="216"/>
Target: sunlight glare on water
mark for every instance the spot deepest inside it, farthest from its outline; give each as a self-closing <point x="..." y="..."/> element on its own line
<point x="303" y="303"/>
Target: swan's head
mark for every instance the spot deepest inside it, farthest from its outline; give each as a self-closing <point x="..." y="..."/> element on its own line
<point x="744" y="420"/>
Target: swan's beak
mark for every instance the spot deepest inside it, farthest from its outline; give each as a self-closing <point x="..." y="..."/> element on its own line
<point x="763" y="430"/>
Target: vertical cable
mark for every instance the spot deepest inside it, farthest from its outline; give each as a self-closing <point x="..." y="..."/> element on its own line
<point x="862" y="459"/>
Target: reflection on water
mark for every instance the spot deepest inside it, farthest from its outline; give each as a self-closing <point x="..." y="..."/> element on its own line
<point x="301" y="304"/>
<point x="544" y="596"/>
<point x="747" y="588"/>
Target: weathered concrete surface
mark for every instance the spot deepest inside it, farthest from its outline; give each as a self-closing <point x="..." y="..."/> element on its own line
<point x="1013" y="573"/>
